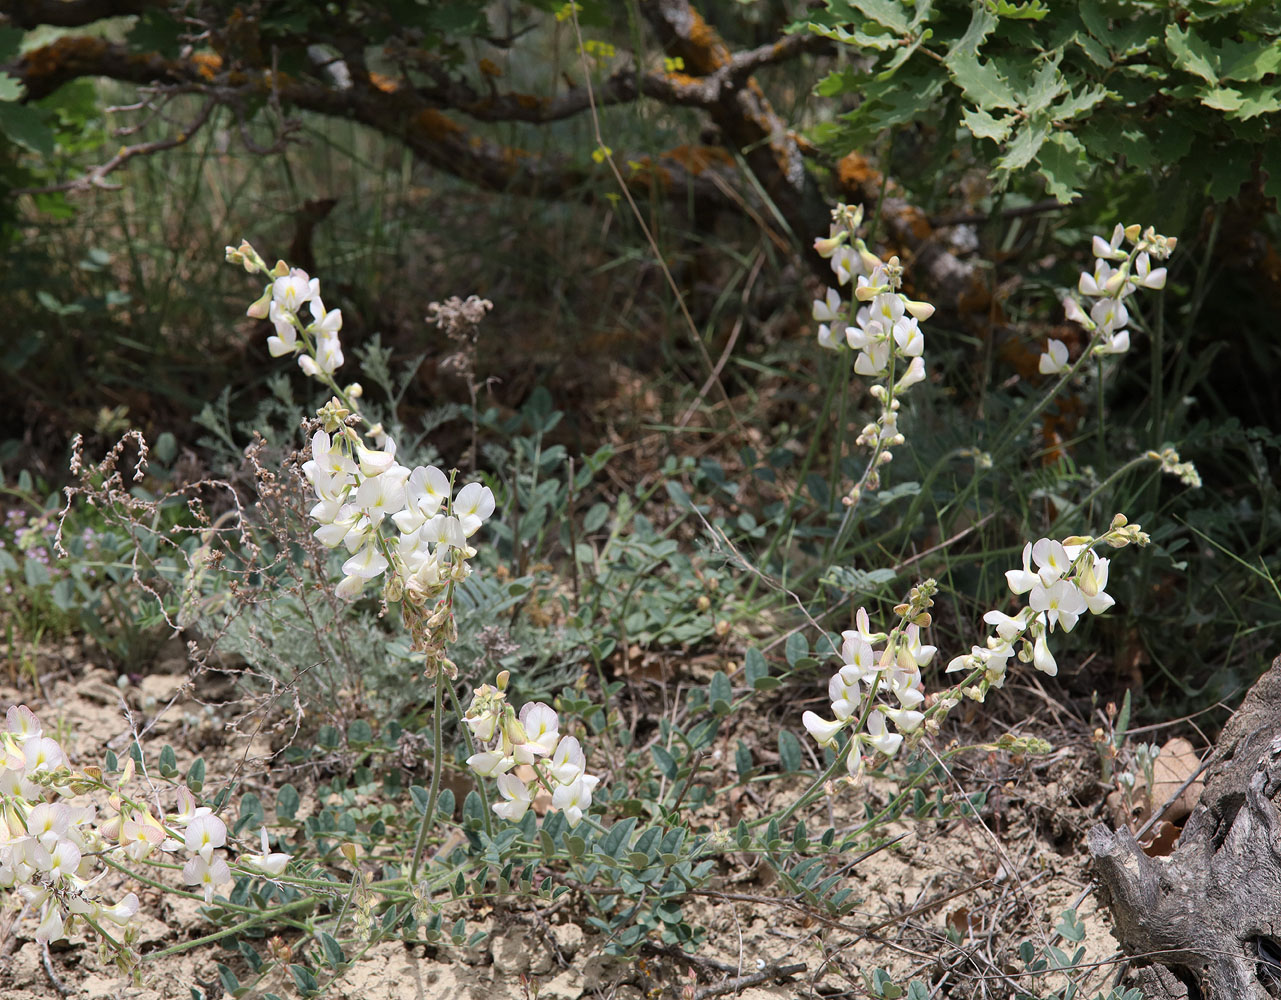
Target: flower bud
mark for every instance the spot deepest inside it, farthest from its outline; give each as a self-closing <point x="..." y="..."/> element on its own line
<point x="825" y="247"/>
<point x="703" y="602"/>
<point x="260" y="308"/>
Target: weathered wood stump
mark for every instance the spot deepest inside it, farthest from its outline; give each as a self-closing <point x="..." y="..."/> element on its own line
<point x="1209" y="915"/>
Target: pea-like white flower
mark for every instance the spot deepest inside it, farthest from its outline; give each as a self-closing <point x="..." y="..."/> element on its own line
<point x="285" y="340"/>
<point x="829" y="313"/>
<point x="907" y="720"/>
<point x="878" y="735"/>
<point x="205" y="834"/>
<point x="367" y="563"/>
<point x="1055" y="359"/>
<point x="516" y="798"/>
<point x="575" y="798"/>
<point x="490" y="763"/>
<point x="294" y="290"/>
<point x="542" y="728"/>
<point x="824" y="732"/>
<point x="1110" y="250"/>
<point x="1042" y="658"/>
<point x="1021" y="581"/>
<point x="473" y="505"/>
<point x="1060" y="603"/>
<point x="426" y="490"/>
<point x="1052" y="560"/>
<point x="1146" y="275"/>
<point x="206" y="874"/>
<point x="569" y="762"/>
<point x="272" y="863"/>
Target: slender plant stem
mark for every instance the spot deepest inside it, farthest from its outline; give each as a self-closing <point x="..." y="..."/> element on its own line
<point x="437" y="763"/>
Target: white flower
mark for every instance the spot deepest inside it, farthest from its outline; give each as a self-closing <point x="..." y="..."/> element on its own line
<point x="490" y="763"/>
<point x="268" y="863"/>
<point x="48" y="823"/>
<point x="907" y="720"/>
<point x="1111" y="251"/>
<point x="367" y="563"/>
<point x="1055" y="359"/>
<point x="915" y="373"/>
<point x="1006" y="627"/>
<point x="829" y="313"/>
<point x="50" y="928"/>
<point x="845" y="264"/>
<point x="1110" y="315"/>
<point x="1042" y="658"/>
<point x="1076" y="314"/>
<point x="472" y="506"/>
<point x="206" y="833"/>
<point x="873" y="360"/>
<point x="324" y="324"/>
<point x="569" y="763"/>
<point x="122" y="912"/>
<point x="1144" y="274"/>
<point x="294" y="290"/>
<point x="824" y="732"/>
<point x="1061" y="603"/>
<point x="1052" y="559"/>
<point x="541" y="727"/>
<point x="1021" y="581"/>
<point x="40" y="753"/>
<point x="857" y="652"/>
<point x="446" y="531"/>
<point x="879" y="736"/>
<point x="285" y="340"/>
<point x="921" y="654"/>
<point x="383" y="495"/>
<point x="516" y="798"/>
<point x="210" y="875"/>
<point x="574" y="799"/>
<point x="908" y="337"/>
<point x="22" y="723"/>
<point x="1095" y="285"/>
<point x="426" y="489"/>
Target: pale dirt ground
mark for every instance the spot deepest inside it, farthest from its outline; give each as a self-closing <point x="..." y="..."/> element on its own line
<point x="1004" y="889"/>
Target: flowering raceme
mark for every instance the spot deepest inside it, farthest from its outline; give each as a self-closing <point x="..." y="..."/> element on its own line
<point x="531" y="738"/>
<point x="866" y="674"/>
<point x="1117" y="274"/>
<point x="360" y="487"/>
<point x="885" y="331"/>
<point x="47" y="844"/>
<point x="1062" y="581"/>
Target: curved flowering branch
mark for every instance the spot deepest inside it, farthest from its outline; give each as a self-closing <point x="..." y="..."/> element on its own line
<point x="532" y="738"/>
<point x="879" y="322"/>
<point x="405" y="524"/>
<point x="1117" y="274"/>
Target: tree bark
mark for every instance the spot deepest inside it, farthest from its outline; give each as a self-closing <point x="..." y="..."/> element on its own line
<point x="1210" y="913"/>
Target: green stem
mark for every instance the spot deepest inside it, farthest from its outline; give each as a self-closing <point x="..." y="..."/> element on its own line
<point x="262" y="916"/>
<point x="438" y="749"/>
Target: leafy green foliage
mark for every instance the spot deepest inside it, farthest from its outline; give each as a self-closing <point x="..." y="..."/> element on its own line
<point x="1183" y="91"/>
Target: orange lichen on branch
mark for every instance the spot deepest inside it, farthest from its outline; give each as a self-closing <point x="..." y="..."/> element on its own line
<point x="63" y="56"/>
<point x="207" y="64"/>
<point x="434" y="125"/>
<point x="696" y="159"/>
<point x="709" y="53"/>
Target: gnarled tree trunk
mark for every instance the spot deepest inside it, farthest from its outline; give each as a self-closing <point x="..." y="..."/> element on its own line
<point x="1209" y="914"/>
